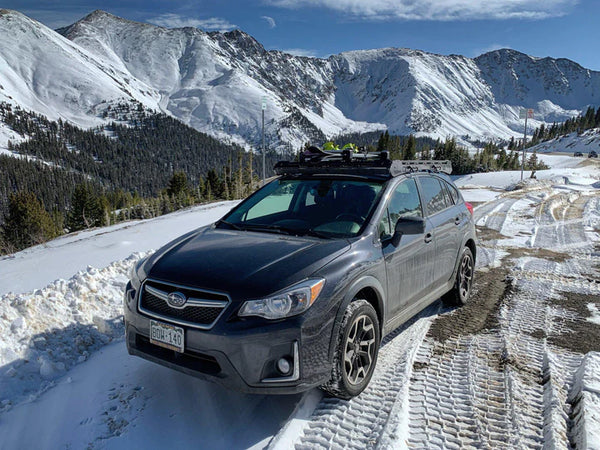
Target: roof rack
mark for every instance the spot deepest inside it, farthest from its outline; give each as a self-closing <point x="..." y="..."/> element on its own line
<point x="314" y="161"/>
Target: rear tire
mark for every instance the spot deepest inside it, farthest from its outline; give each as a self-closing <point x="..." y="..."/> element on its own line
<point x="356" y="351"/>
<point x="461" y="291"/>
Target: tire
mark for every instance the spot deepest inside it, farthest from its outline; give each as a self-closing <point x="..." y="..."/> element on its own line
<point x="354" y="363"/>
<point x="461" y="291"/>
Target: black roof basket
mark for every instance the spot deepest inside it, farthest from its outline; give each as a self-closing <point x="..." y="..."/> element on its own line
<point x="314" y="161"/>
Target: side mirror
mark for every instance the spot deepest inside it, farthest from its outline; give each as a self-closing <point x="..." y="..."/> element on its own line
<point x="407" y="225"/>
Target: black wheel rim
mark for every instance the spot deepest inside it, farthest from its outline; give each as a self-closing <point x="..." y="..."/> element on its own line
<point x="359" y="350"/>
<point x="465" y="277"/>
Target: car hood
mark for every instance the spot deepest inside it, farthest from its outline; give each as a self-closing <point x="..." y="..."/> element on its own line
<point x="245" y="264"/>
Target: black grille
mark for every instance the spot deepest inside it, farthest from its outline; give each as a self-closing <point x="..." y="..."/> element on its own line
<point x="200" y="315"/>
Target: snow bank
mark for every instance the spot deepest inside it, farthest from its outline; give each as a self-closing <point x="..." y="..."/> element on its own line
<point x="62" y="257"/>
<point x="47" y="331"/>
<point x="585" y="398"/>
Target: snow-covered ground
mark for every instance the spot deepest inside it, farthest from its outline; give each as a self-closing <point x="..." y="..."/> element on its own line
<point x="509" y="369"/>
<point x="586" y="142"/>
<point x="61" y="258"/>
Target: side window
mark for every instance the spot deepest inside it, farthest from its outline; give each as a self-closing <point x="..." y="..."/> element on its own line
<point x="433" y="194"/>
<point x="403" y="202"/>
<point x="453" y="193"/>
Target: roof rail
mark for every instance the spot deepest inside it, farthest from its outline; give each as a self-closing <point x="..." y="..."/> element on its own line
<point x="428" y="165"/>
<point x="314" y="161"/>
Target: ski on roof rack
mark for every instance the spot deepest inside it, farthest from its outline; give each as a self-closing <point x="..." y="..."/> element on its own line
<point x="314" y="161"/>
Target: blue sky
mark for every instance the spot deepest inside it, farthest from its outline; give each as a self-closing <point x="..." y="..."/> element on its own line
<point x="557" y="28"/>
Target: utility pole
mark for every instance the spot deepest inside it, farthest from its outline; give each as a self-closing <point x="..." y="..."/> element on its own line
<point x="524" y="114"/>
<point x="264" y="106"/>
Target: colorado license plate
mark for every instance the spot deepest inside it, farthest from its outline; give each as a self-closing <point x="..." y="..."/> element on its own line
<point x="167" y="336"/>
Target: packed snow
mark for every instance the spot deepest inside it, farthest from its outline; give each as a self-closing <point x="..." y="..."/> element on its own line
<point x="64" y="365"/>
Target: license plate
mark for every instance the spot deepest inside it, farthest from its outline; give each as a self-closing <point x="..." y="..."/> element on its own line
<point x="167" y="336"/>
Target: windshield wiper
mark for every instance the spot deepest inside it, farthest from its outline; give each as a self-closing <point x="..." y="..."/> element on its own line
<point x="275" y="229"/>
<point x="232" y="225"/>
<point x="268" y="228"/>
<point x="315" y="233"/>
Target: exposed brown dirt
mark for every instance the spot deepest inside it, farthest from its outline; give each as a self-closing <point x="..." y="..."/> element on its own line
<point x="480" y="313"/>
<point x="584" y="336"/>
<point x="541" y="253"/>
<point x="538" y="334"/>
<point x="489" y="234"/>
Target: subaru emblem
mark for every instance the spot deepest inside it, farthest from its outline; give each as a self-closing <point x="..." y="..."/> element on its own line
<point x="176" y="299"/>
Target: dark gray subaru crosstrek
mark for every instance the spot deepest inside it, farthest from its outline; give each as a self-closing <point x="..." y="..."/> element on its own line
<point x="295" y="287"/>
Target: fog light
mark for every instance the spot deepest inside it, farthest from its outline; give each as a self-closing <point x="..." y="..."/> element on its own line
<point x="283" y="365"/>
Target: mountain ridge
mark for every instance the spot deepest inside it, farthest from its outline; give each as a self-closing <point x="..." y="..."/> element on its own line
<point x="215" y="82"/>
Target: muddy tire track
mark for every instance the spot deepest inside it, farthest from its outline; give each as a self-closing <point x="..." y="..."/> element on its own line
<point x="518" y="341"/>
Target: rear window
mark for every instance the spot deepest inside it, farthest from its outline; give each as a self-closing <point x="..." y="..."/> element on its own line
<point x="433" y="193"/>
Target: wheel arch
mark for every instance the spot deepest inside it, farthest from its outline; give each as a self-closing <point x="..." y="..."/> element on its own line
<point x="471" y="244"/>
<point x="367" y="288"/>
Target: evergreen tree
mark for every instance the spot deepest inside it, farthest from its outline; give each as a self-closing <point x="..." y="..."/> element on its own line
<point x="384" y="141"/>
<point x="86" y="210"/>
<point x="27" y="222"/>
<point x="178" y="184"/>
<point x="409" y="151"/>
<point x="511" y="144"/>
<point x="214" y="184"/>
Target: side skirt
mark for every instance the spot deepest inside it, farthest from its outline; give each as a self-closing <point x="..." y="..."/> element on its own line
<point x="415" y="308"/>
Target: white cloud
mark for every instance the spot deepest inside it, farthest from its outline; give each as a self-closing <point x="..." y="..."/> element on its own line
<point x="445" y="10"/>
<point x="300" y="52"/>
<point x="270" y="21"/>
<point x="171" y="20"/>
<point x="489" y="48"/>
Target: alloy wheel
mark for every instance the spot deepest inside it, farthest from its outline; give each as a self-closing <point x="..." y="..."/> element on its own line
<point x="359" y="350"/>
<point x="465" y="276"/>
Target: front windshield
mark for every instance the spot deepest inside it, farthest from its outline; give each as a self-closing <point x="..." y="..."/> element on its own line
<point x="319" y="207"/>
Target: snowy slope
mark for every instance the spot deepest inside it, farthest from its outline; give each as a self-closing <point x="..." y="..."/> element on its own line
<point x="48" y="74"/>
<point x="413" y="91"/>
<point x="589" y="140"/>
<point x="215" y="82"/>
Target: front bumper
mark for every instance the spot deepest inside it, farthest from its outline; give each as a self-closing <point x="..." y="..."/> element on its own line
<point x="241" y="354"/>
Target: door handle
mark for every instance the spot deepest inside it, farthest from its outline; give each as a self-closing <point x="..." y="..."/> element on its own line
<point x="428" y="238"/>
<point x="457" y="221"/>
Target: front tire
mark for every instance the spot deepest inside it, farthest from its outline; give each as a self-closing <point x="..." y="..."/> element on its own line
<point x="461" y="291"/>
<point x="356" y="351"/>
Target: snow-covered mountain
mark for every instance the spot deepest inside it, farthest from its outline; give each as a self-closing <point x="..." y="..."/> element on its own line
<point x="46" y="73"/>
<point x="215" y="82"/>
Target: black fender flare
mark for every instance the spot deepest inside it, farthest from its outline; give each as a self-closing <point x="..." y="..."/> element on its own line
<point x="463" y="245"/>
<point x="364" y="281"/>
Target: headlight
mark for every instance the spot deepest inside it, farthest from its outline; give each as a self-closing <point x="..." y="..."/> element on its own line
<point x="286" y="303"/>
